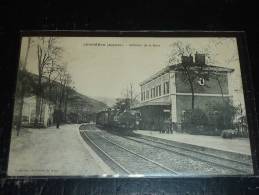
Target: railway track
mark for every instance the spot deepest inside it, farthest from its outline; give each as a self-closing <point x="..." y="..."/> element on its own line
<point x="116" y="165"/>
<point x="235" y="165"/>
<point x="123" y="160"/>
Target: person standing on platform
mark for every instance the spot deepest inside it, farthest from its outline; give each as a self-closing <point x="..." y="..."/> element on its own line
<point x="57" y="117"/>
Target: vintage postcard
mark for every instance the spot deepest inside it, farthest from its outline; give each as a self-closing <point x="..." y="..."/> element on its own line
<point x="129" y="106"/>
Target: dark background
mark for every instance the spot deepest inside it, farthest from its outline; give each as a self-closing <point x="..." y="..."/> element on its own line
<point x="208" y="15"/>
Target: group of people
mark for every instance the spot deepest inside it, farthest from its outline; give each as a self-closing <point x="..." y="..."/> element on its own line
<point x="168" y="127"/>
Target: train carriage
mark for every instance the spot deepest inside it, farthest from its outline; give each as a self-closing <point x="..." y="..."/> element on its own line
<point x="127" y="120"/>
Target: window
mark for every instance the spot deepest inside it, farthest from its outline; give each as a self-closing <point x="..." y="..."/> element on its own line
<point x="201" y="81"/>
<point x="166" y="89"/>
<point x="147" y="94"/>
<point x="159" y="90"/>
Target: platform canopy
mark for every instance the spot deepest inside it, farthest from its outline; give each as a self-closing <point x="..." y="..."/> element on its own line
<point x="144" y="104"/>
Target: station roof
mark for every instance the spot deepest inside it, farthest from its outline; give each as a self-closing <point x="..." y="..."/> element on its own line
<point x="177" y="67"/>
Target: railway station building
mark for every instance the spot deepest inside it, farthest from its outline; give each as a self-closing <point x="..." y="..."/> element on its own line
<point x="167" y="95"/>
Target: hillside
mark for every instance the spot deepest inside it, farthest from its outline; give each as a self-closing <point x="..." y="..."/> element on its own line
<point x="76" y="101"/>
<point x="108" y="101"/>
<point x="90" y="105"/>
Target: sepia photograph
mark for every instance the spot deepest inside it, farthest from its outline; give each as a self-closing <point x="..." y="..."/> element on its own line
<point x="129" y="106"/>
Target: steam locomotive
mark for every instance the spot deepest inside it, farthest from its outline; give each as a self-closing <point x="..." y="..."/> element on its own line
<point x="127" y="120"/>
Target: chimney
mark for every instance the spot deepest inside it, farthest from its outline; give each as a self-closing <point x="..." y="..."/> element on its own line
<point x="199" y="59"/>
<point x="187" y="59"/>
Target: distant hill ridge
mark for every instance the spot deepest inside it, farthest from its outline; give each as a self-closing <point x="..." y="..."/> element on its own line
<point x="107" y="100"/>
<point x="89" y="104"/>
<point x="92" y="105"/>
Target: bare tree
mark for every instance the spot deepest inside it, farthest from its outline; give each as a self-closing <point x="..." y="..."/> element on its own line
<point x="130" y="93"/>
<point x="52" y="73"/>
<point x="191" y="72"/>
<point x="47" y="53"/>
<point x="66" y="89"/>
<point x="210" y="55"/>
<point x="64" y="81"/>
<point x="22" y="87"/>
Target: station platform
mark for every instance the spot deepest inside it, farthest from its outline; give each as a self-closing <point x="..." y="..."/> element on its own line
<point x="235" y="145"/>
<point x="53" y="152"/>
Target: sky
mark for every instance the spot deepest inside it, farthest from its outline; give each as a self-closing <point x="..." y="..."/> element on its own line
<point x="105" y="66"/>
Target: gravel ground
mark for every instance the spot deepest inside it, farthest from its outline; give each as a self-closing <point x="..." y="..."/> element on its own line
<point x="247" y="168"/>
<point x="224" y="154"/>
<point x="134" y="164"/>
<point x="184" y="165"/>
